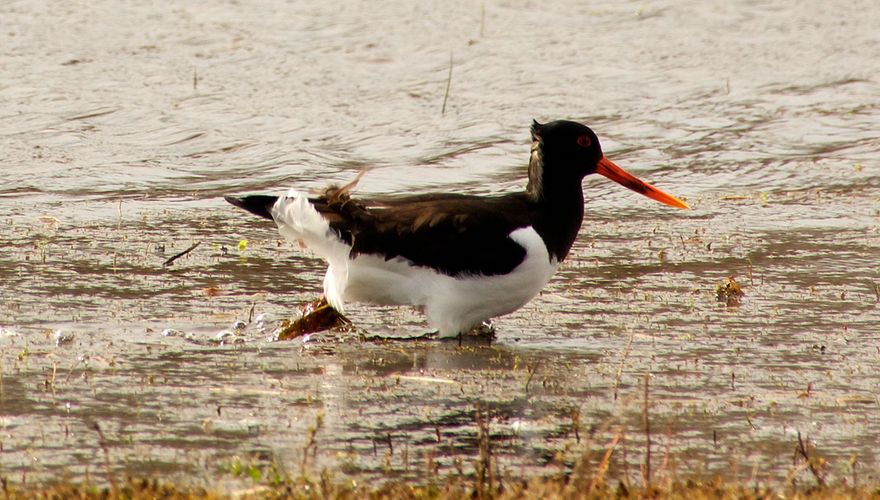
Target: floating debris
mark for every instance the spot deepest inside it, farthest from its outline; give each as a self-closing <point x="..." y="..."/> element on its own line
<point x="50" y="222"/>
<point x="729" y="292"/>
<point x="61" y="338"/>
<point x="5" y="332"/>
<point x="317" y="316"/>
<point x="234" y="335"/>
<point x="228" y="337"/>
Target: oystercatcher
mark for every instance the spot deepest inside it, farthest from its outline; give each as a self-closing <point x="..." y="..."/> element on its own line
<point x="464" y="259"/>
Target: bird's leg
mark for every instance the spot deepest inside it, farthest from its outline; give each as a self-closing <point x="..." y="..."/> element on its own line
<point x="316" y="316"/>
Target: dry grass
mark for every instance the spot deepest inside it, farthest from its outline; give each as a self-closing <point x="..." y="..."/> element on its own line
<point x="537" y="488"/>
<point x="589" y="477"/>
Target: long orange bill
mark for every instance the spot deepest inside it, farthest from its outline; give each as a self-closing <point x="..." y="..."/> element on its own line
<point x="609" y="169"/>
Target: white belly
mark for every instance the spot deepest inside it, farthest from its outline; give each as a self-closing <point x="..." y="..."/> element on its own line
<point x="452" y="305"/>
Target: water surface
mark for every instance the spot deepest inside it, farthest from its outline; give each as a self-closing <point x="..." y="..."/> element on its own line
<point x="123" y="124"/>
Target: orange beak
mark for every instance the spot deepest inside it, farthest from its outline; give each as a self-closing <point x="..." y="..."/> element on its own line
<point x="607" y="168"/>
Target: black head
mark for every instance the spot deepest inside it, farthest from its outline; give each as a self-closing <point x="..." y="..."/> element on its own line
<point x="569" y="145"/>
<point x="564" y="152"/>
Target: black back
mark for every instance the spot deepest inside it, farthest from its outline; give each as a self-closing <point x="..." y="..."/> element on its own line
<point x="469" y="235"/>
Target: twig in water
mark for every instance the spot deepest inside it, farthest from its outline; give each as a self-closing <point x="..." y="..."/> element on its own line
<point x="103" y="444"/>
<point x="530" y="369"/>
<point x="181" y="254"/>
<point x="312" y="441"/>
<point x="803" y="452"/>
<point x="622" y="361"/>
<point x="751" y="277"/>
<point x="448" y="84"/>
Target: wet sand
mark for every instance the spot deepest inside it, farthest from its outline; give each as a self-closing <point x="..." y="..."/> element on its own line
<point x="124" y="124"/>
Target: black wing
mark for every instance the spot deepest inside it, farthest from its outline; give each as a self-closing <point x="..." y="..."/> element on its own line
<point x="453" y="234"/>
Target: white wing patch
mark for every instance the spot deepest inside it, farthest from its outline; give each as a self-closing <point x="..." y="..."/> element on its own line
<point x="300" y="223"/>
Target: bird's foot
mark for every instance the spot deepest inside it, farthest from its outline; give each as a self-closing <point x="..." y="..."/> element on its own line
<point x="396" y="336"/>
<point x="317" y="316"/>
<point x="484" y="332"/>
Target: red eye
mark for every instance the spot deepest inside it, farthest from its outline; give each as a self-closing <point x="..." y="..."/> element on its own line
<point x="584" y="141"/>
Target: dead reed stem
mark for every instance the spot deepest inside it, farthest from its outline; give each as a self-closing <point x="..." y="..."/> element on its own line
<point x="103" y="444"/>
<point x="448" y="84"/>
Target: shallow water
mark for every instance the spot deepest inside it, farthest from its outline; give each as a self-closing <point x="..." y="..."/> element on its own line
<point x="123" y="124"/>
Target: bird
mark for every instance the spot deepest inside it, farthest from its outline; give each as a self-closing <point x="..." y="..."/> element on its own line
<point x="463" y="259"/>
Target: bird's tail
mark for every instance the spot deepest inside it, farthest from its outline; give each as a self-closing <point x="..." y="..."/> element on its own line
<point x="259" y="204"/>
